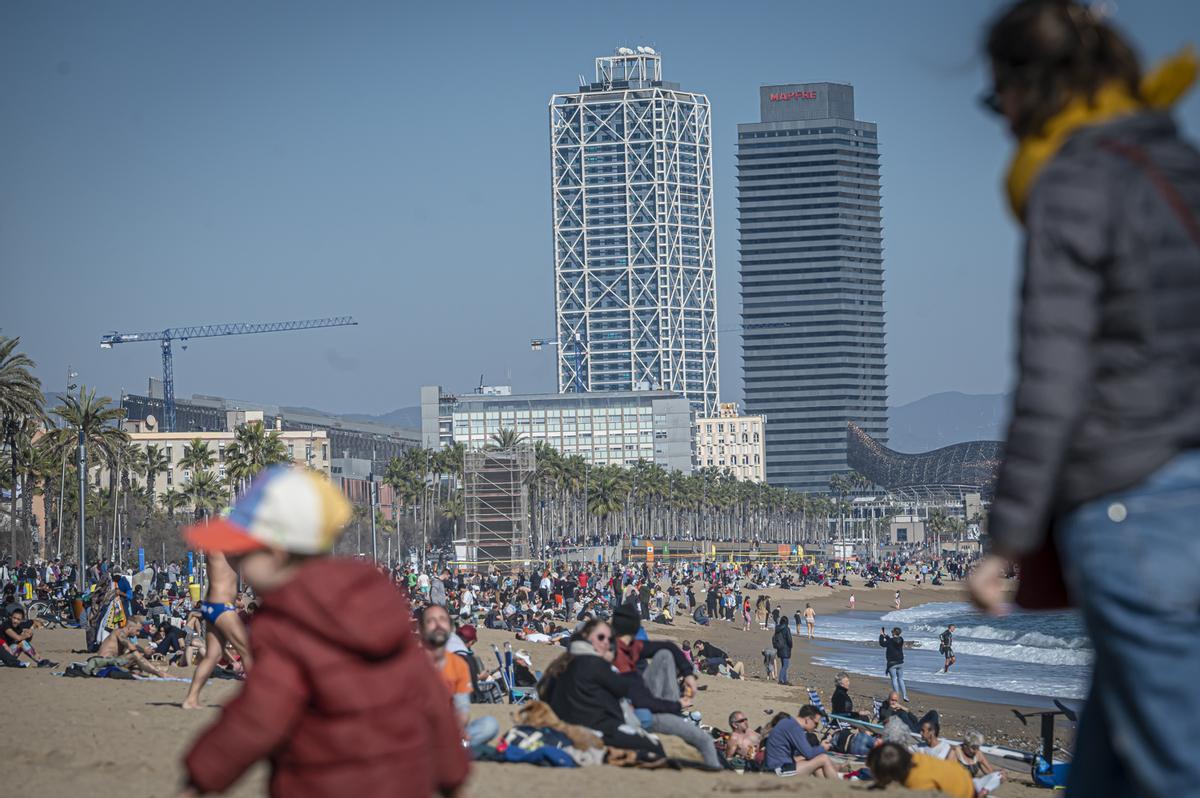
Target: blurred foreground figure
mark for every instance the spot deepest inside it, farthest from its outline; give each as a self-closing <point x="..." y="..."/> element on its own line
<point x="1102" y="463"/>
<point x="342" y="700"/>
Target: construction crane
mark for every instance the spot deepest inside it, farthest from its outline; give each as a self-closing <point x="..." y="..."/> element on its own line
<point x="165" y="337"/>
<point x="578" y="343"/>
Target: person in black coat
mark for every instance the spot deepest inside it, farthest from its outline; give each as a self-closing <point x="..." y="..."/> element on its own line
<point x="894" y="659"/>
<point x="842" y="703"/>
<point x="782" y="642"/>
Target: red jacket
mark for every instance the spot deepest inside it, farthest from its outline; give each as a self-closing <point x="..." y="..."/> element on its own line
<point x="342" y="699"/>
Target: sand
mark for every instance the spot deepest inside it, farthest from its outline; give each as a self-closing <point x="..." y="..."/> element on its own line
<point x="100" y="738"/>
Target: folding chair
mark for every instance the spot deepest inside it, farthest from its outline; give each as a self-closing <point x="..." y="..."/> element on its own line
<point x="876" y="706"/>
<point x="814" y="698"/>
<point x="504" y="661"/>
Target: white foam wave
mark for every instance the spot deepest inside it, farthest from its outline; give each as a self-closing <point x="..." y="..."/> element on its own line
<point x="943" y="609"/>
<point x="1019" y="653"/>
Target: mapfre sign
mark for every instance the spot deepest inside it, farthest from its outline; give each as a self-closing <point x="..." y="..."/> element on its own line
<point x="793" y="95"/>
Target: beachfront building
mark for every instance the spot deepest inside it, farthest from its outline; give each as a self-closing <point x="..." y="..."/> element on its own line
<point x="634" y="265"/>
<point x="347" y="437"/>
<point x="307" y="447"/>
<point x="604" y="428"/>
<point x="811" y="242"/>
<point x="732" y="443"/>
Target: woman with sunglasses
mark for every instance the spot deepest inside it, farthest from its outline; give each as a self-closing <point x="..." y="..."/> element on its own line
<point x="582" y="688"/>
<point x="1100" y="484"/>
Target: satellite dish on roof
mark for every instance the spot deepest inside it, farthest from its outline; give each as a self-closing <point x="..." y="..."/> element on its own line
<point x="650" y="51"/>
<point x="151" y="422"/>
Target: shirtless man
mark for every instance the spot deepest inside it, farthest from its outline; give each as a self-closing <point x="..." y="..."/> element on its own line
<point x="223" y="626"/>
<point x="743" y="741"/>
<point x="810" y="620"/>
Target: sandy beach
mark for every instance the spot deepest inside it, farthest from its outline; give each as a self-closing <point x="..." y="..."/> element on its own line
<point x="69" y="737"/>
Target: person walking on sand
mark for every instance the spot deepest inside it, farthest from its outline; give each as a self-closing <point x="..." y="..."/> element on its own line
<point x="222" y="626"/>
<point x="851" y="601"/>
<point x="1099" y="488"/>
<point x="810" y="620"/>
<point x="897" y="599"/>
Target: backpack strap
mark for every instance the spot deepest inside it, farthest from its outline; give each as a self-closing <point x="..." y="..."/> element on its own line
<point x="1135" y="154"/>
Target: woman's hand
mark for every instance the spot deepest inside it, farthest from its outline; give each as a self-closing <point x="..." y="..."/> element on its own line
<point x="986" y="585"/>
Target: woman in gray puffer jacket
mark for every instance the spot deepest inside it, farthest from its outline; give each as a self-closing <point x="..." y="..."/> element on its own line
<point x="1100" y="484"/>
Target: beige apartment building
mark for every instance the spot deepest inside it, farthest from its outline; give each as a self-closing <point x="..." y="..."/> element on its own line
<point x="306" y="447"/>
<point x="733" y="443"/>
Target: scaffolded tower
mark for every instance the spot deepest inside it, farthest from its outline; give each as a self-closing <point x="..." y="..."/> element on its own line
<point x="634" y="266"/>
<point x="496" y="506"/>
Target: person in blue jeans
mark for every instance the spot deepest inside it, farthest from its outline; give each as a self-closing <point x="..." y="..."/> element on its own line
<point x="1099" y="490"/>
<point x="894" y="658"/>
<point x="782" y="642"/>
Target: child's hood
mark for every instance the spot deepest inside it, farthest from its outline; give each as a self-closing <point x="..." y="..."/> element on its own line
<point x="349" y="603"/>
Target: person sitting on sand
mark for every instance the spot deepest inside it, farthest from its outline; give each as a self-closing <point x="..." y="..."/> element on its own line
<point x="891" y="763"/>
<point x="984" y="775"/>
<point x="660" y="667"/>
<point x="16" y="634"/>
<point x="743" y="741"/>
<point x="894" y="708"/>
<point x="931" y="742"/>
<point x="711" y="660"/>
<point x="788" y="746"/>
<point x="582" y="688"/>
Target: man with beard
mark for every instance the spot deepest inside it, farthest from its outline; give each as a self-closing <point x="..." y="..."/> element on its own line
<point x="435" y="627"/>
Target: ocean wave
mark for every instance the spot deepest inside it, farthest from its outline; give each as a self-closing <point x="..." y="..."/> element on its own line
<point x="1020" y="653"/>
<point x="937" y="609"/>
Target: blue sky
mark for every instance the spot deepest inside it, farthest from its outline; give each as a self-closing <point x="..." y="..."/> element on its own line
<point x="174" y="163"/>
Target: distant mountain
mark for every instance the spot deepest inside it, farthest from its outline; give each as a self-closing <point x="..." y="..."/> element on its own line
<point x="947" y="418"/>
<point x="405" y="417"/>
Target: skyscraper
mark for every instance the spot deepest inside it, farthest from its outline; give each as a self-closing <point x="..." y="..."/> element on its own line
<point x="812" y="279"/>
<point x="634" y="267"/>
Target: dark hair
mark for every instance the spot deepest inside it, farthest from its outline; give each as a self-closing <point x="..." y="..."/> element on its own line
<point x="1051" y="51"/>
<point x="889" y="763"/>
<point x="808" y="711"/>
<point x="933" y="723"/>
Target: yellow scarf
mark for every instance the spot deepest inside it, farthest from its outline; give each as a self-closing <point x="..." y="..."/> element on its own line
<point x="1160" y="89"/>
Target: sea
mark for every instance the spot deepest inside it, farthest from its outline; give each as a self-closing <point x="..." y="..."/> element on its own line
<point x="1042" y="655"/>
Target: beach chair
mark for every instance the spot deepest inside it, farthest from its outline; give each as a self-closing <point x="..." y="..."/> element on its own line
<point x="814" y="698"/>
<point x="876" y="706"/>
<point x="516" y="695"/>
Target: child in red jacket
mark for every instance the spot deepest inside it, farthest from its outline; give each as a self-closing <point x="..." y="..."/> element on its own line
<point x="342" y="700"/>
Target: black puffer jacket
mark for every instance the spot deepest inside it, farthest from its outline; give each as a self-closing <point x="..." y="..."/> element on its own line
<point x="1109" y="354"/>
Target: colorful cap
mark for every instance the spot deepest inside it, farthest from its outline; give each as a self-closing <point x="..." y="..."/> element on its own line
<point x="286" y="507"/>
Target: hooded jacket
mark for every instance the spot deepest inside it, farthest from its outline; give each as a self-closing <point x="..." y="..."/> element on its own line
<point x="342" y="700"/>
<point x="589" y="692"/>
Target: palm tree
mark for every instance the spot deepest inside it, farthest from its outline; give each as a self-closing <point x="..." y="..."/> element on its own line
<point x="154" y="461"/>
<point x="505" y="439"/>
<point x="204" y="493"/>
<point x="172" y="501"/>
<point x="197" y="457"/>
<point x="20" y="398"/>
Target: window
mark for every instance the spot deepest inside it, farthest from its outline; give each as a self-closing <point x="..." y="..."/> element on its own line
<point x="325" y="451"/>
<point x="902" y="534"/>
<point x="291" y="451"/>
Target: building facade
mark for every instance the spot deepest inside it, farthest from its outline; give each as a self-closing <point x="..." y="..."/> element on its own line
<point x="811" y="243"/>
<point x="309" y="448"/>
<point x="732" y="443"/>
<point x="634" y="263"/>
<point x="609" y="428"/>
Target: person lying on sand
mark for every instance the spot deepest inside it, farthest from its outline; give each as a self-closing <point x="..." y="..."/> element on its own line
<point x="891" y="763"/>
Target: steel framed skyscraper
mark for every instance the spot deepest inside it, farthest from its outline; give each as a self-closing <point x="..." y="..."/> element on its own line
<point x="812" y="276"/>
<point x="634" y="264"/>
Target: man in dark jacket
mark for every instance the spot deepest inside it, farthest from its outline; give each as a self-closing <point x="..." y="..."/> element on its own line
<point x="782" y="642"/>
<point x="894" y="657"/>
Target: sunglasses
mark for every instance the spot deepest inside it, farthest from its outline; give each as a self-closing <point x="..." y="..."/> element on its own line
<point x="740" y="720"/>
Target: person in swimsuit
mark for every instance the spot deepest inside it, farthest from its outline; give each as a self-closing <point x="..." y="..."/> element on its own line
<point x="222" y="626"/>
<point x="810" y="620"/>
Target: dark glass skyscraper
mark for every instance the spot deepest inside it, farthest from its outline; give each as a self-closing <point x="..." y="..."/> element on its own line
<point x="811" y="237"/>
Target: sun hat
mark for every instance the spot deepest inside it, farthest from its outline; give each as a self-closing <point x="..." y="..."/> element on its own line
<point x="286" y="507"/>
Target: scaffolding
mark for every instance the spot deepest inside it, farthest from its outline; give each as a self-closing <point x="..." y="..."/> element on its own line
<point x="496" y="507"/>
